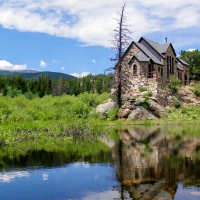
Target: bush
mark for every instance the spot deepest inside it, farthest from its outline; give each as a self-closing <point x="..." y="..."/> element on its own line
<point x="147" y="95"/>
<point x="145" y="104"/>
<point x="13" y="92"/>
<point x="29" y="95"/>
<point x="176" y="103"/>
<point x="196" y="89"/>
<point x="174" y="83"/>
<point x="113" y="114"/>
<point x="143" y="89"/>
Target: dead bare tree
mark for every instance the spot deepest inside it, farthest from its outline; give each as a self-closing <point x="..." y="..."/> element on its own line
<point x="120" y="41"/>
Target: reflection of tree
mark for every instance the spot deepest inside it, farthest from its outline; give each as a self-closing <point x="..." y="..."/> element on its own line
<point x="150" y="164"/>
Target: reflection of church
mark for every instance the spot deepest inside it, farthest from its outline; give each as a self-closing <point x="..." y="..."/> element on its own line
<point x="149" y="164"/>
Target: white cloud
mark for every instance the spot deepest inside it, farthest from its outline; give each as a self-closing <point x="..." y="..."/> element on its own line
<point x="80" y="75"/>
<point x="102" y="195"/>
<point x="42" y="64"/>
<point x="191" y="50"/>
<point x="94" y="61"/>
<point x="63" y="68"/>
<point x="5" y="65"/>
<point x="45" y="176"/>
<point x="92" y="21"/>
<point x="7" y="177"/>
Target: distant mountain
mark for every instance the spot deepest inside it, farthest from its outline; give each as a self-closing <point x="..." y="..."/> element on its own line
<point x="34" y="74"/>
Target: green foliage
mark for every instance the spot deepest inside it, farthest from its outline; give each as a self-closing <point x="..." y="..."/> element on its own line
<point x="143" y="89"/>
<point x="184" y="113"/>
<point x="176" y="103"/>
<point x="145" y="104"/>
<point x="29" y="95"/>
<point x="13" y="92"/>
<point x="193" y="59"/>
<point x="147" y="95"/>
<point x="183" y="110"/>
<point x="93" y="99"/>
<point x="196" y="89"/>
<point x="113" y="114"/>
<point x="29" y="107"/>
<point x="174" y="83"/>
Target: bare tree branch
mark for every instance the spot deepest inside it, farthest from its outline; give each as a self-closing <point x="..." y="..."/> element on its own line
<point x="120" y="42"/>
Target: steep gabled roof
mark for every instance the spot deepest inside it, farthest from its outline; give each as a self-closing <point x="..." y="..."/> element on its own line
<point x="182" y="61"/>
<point x="160" y="48"/>
<point x="141" y="57"/>
<point x="148" y="53"/>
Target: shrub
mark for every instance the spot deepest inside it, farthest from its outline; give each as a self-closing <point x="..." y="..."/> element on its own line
<point x="13" y="92"/>
<point x="174" y="83"/>
<point x="196" y="89"/>
<point x="142" y="89"/>
<point x="113" y="114"/>
<point x="176" y="103"/>
<point x="29" y="95"/>
<point x="147" y="95"/>
<point x="89" y="98"/>
<point x="145" y="104"/>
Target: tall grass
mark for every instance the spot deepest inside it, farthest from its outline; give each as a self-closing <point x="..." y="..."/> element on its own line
<point x="49" y="116"/>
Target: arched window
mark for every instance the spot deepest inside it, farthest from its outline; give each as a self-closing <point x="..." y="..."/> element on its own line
<point x="134" y="69"/>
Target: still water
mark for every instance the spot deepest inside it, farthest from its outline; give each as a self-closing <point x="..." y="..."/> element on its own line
<point x="134" y="163"/>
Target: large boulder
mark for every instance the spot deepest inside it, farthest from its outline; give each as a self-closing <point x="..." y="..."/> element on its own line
<point x="157" y="109"/>
<point x="103" y="109"/>
<point x="140" y="114"/>
<point x="123" y="113"/>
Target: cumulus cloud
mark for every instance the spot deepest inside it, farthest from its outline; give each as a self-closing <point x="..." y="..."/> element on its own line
<point x="80" y="75"/>
<point x="42" y="64"/>
<point x="5" y="65"/>
<point x="7" y="177"/>
<point x="191" y="50"/>
<point x="63" y="68"/>
<point x="94" y="61"/>
<point x="92" y="21"/>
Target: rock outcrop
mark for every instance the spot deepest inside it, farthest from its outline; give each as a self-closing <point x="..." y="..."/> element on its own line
<point x="139" y="113"/>
<point x="157" y="109"/>
<point x="186" y="95"/>
<point x="103" y="109"/>
<point x="132" y="110"/>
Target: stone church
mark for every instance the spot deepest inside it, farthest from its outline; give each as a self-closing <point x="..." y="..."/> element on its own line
<point x="149" y="65"/>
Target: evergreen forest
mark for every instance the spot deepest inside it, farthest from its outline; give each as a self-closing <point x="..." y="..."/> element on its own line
<point x="45" y="85"/>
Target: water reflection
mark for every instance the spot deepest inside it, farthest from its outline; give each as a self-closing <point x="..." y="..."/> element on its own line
<point x="150" y="164"/>
<point x="140" y="163"/>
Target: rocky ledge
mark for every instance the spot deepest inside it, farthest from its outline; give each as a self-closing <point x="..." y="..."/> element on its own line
<point x="142" y="108"/>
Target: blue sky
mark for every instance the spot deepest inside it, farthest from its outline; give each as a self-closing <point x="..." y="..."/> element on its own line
<point x="72" y="36"/>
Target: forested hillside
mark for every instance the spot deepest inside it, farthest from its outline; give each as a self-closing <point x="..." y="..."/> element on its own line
<point x="34" y="74"/>
<point x="44" y="85"/>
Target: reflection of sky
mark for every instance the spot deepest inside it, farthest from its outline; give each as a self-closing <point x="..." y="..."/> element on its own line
<point x="7" y="177"/>
<point x="75" y="181"/>
<point x="106" y="195"/>
<point x="187" y="193"/>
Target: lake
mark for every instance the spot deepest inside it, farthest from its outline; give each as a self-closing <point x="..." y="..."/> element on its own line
<point x="161" y="162"/>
